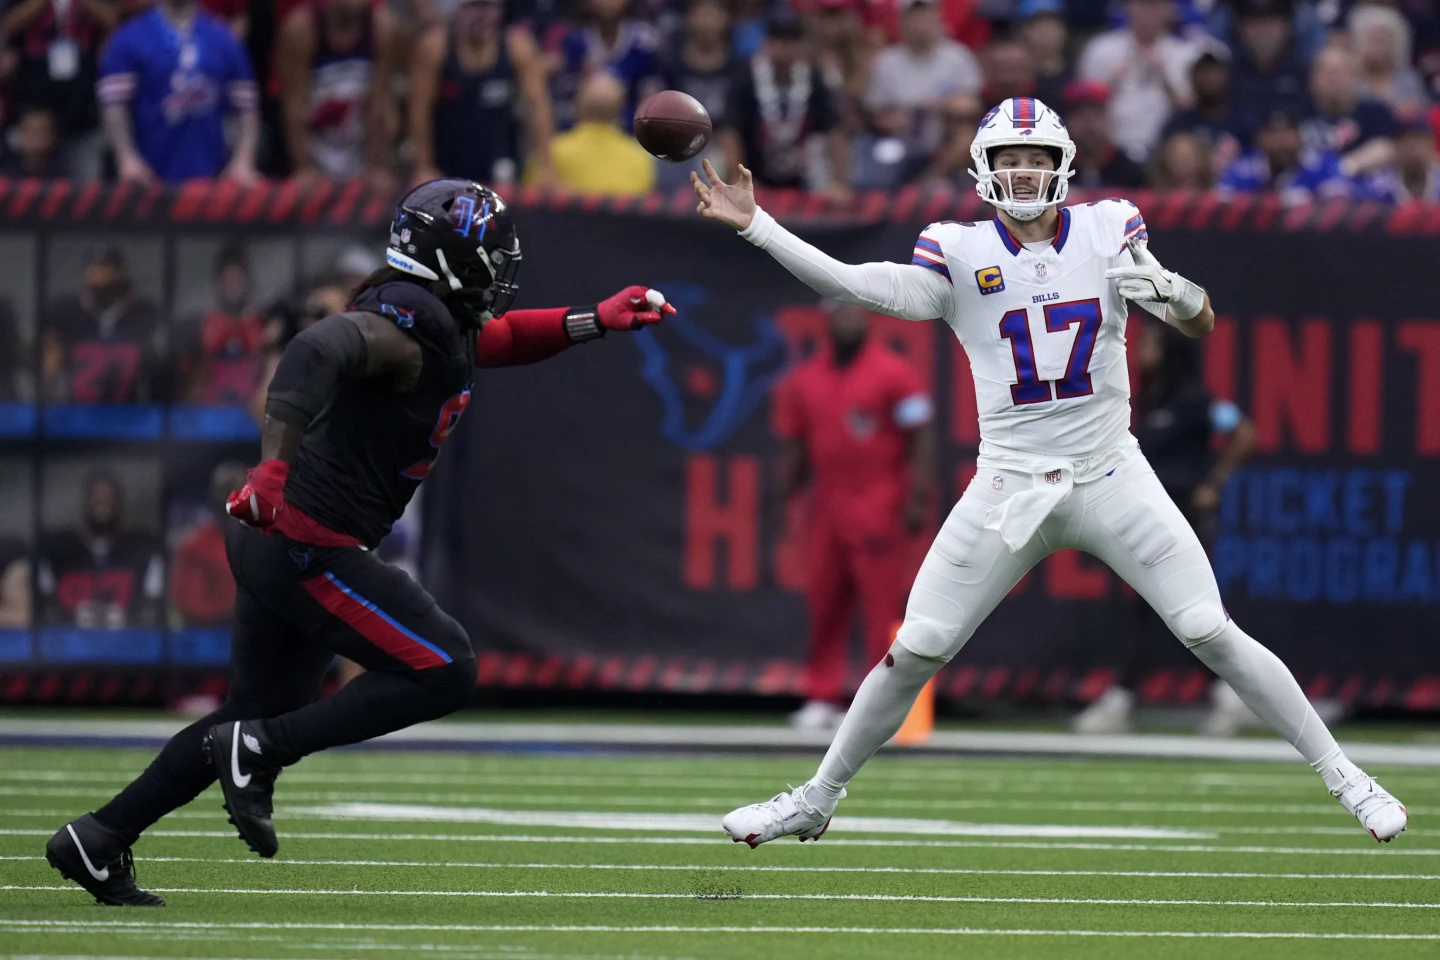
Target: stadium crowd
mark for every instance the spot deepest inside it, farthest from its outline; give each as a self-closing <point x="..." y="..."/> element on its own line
<point x="1306" y="97"/>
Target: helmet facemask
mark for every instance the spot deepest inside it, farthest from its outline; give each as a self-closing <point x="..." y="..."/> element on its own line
<point x="1023" y="192"/>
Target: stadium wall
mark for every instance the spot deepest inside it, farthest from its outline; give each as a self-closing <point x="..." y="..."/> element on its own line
<point x="608" y="520"/>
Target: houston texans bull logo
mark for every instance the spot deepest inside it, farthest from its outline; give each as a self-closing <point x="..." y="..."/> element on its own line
<point x="701" y="377"/>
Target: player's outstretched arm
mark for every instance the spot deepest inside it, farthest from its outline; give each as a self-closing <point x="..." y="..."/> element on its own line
<point x="528" y="336"/>
<point x="1179" y="302"/>
<point x="344" y="346"/>
<point x="898" y="289"/>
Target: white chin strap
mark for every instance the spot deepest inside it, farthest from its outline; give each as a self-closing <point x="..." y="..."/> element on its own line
<point x="450" y="277"/>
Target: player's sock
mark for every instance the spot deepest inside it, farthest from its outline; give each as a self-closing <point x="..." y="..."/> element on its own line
<point x="375" y="703"/>
<point x="1269" y="689"/>
<point x="880" y="707"/>
<point x="177" y="775"/>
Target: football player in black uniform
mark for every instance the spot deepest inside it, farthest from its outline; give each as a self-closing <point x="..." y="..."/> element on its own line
<point x="357" y="411"/>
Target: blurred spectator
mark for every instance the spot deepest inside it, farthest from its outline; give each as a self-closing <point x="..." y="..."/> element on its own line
<point x="1147" y="71"/>
<point x="842" y="53"/>
<point x="234" y="14"/>
<point x="609" y="40"/>
<point x="15" y="597"/>
<point x="702" y="65"/>
<point x="911" y="81"/>
<point x="36" y="152"/>
<point x="1417" y="171"/>
<point x="960" y="20"/>
<point x="101" y="344"/>
<point x="596" y="156"/>
<point x="221" y="362"/>
<point x="1098" y="161"/>
<point x="467" y="87"/>
<point x="779" y="103"/>
<point x="287" y="318"/>
<point x="1360" y="130"/>
<point x="1268" y="72"/>
<point x="57" y="45"/>
<point x="1213" y="117"/>
<point x="952" y="161"/>
<point x="201" y="586"/>
<point x="165" y="79"/>
<point x="335" y="60"/>
<point x="1044" y="34"/>
<point x="1184" y="161"/>
<point x="1009" y="72"/>
<point x="1283" y="164"/>
<point x="101" y="575"/>
<point x="1381" y="38"/>
<point x="747" y="36"/>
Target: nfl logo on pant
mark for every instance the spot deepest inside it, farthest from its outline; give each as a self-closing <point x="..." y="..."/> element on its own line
<point x="1053" y="476"/>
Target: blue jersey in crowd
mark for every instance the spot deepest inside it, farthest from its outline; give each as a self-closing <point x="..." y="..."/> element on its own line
<point x="1318" y="176"/>
<point x="632" y="61"/>
<point x="177" y="83"/>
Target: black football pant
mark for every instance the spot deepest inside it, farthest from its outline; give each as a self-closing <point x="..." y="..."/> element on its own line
<point x="296" y="607"/>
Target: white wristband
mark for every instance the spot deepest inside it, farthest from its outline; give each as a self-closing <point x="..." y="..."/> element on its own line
<point x="1187" y="299"/>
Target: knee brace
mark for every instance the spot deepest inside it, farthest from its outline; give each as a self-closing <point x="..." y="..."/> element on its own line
<point x="1199" y="623"/>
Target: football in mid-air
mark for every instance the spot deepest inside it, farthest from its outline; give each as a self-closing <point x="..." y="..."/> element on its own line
<point x="672" y="126"/>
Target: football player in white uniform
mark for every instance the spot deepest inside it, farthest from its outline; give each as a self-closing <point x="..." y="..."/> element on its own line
<point x="1039" y="298"/>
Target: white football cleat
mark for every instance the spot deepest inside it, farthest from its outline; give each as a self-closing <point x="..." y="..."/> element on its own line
<point x="1108" y="714"/>
<point x="1376" y="809"/>
<point x="817" y="716"/>
<point x="784" y="815"/>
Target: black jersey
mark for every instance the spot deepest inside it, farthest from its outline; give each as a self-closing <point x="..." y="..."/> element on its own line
<point x="363" y="457"/>
<point x="476" y="132"/>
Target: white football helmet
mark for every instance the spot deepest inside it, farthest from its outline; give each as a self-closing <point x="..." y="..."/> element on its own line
<point x="1022" y="122"/>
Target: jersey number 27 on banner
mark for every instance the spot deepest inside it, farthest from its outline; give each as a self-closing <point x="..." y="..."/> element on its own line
<point x="1059" y="317"/>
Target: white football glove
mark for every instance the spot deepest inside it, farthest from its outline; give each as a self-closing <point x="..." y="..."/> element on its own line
<point x="1149" y="282"/>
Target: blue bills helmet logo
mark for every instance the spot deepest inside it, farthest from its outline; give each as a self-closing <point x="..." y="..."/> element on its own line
<point x="990" y="280"/>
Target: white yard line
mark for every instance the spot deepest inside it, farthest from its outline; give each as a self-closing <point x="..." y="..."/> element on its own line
<point x="671" y="822"/>
<point x="705" y="867"/>
<point x="650" y="800"/>
<point x="837" y="897"/>
<point x="1366" y="850"/>
<point x="60" y="926"/>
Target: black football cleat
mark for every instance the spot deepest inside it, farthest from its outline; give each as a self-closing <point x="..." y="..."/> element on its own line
<point x="237" y="751"/>
<point x="87" y="852"/>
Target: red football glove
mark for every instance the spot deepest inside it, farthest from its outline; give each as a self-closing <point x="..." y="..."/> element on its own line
<point x="633" y="308"/>
<point x="260" y="501"/>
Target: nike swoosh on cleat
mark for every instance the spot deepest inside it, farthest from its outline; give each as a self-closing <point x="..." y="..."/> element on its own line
<point x="240" y="781"/>
<point x="102" y="874"/>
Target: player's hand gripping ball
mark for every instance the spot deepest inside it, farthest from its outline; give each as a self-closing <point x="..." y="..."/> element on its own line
<point x="672" y="126"/>
<point x="260" y="501"/>
<point x="633" y="308"/>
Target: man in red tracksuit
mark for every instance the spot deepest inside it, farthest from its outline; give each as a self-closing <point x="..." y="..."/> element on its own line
<point x="855" y="420"/>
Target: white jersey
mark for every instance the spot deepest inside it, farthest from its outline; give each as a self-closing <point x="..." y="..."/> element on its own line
<point x="1043" y="329"/>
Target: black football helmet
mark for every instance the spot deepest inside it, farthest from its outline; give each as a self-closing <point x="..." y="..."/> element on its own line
<point x="460" y="233"/>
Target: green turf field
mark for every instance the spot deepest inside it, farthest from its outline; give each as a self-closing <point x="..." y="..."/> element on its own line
<point x="531" y="857"/>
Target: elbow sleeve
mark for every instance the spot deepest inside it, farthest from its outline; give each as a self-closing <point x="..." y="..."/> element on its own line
<point x="323" y="354"/>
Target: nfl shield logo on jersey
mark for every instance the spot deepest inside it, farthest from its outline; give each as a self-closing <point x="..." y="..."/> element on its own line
<point x="1052" y="476"/>
<point x="1040" y="270"/>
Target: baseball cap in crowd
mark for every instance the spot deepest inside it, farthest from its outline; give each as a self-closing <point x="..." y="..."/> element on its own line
<point x="1085" y="91"/>
<point x="782" y="23"/>
<point x="1030" y="9"/>
<point x="1264" y="8"/>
